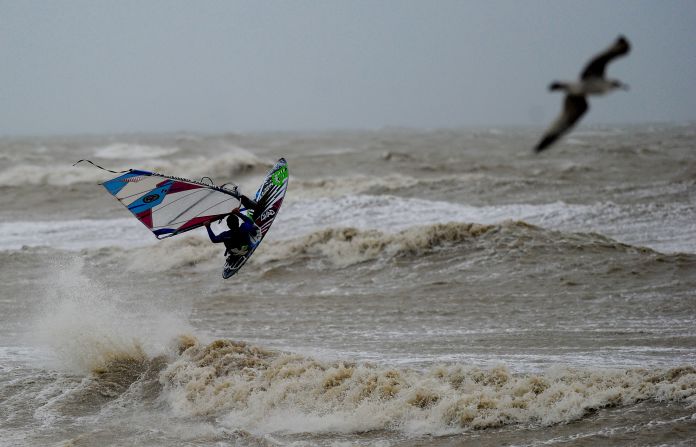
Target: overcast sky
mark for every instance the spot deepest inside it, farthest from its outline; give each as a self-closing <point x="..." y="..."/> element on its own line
<point x="217" y="66"/>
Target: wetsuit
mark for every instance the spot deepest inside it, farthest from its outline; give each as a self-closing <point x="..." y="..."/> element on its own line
<point x="239" y="241"/>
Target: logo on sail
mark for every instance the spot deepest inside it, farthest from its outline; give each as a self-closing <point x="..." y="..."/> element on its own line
<point x="150" y="198"/>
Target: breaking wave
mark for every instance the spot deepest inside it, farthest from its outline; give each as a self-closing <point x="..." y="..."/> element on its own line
<point x="223" y="166"/>
<point x="516" y="243"/>
<point x="509" y="241"/>
<point x="340" y="246"/>
<point x="251" y="389"/>
<point x="365" y="184"/>
<point x="133" y="151"/>
<point x="633" y="224"/>
<point x="57" y="175"/>
<point x="348" y="246"/>
<point x="357" y="184"/>
<point x="264" y="391"/>
<point x="134" y="351"/>
<point x="166" y="255"/>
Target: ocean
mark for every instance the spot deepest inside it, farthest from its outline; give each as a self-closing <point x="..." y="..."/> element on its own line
<point x="419" y="287"/>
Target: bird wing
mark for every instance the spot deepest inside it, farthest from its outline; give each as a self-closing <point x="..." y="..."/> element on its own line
<point x="597" y="65"/>
<point x="574" y="107"/>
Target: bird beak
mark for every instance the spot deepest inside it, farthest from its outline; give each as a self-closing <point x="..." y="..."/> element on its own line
<point x="625" y="87"/>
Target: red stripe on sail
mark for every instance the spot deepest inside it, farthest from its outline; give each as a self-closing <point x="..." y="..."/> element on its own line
<point x="146" y="217"/>
<point x="181" y="186"/>
<point x="198" y="221"/>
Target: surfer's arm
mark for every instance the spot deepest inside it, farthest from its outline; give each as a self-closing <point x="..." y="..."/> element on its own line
<point x="213" y="238"/>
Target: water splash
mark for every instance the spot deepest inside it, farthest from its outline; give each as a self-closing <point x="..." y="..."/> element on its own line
<point x="84" y="324"/>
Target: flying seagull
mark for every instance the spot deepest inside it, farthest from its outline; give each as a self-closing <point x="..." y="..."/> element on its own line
<point x="592" y="82"/>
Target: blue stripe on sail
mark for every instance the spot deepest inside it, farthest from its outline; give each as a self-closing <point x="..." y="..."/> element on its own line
<point x="116" y="184"/>
<point x="150" y="199"/>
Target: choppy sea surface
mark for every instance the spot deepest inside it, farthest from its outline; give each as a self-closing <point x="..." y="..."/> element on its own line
<point x="443" y="287"/>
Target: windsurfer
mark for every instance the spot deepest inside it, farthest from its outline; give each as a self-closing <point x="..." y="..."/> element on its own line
<point x="239" y="239"/>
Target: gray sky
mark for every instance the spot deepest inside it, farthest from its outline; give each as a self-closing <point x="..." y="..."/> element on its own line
<point x="215" y="66"/>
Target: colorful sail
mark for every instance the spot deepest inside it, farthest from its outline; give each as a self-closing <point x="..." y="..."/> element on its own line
<point x="171" y="205"/>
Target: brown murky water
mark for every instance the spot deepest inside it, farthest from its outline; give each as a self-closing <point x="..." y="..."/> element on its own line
<point x="418" y="288"/>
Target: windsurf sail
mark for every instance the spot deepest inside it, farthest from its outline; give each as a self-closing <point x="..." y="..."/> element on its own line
<point x="168" y="205"/>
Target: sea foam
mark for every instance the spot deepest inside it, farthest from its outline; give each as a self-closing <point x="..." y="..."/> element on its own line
<point x="264" y="391"/>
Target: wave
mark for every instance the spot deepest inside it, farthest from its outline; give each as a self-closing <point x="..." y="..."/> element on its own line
<point x="73" y="234"/>
<point x="135" y="351"/>
<point x="356" y="184"/>
<point x="343" y="247"/>
<point x="163" y="256"/>
<point x="251" y="389"/>
<point x="224" y="167"/>
<point x="260" y="390"/>
<point x="634" y="224"/>
<point x="133" y="151"/>
<point x="388" y="184"/>
<point x="56" y="175"/>
<point x="254" y="389"/>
